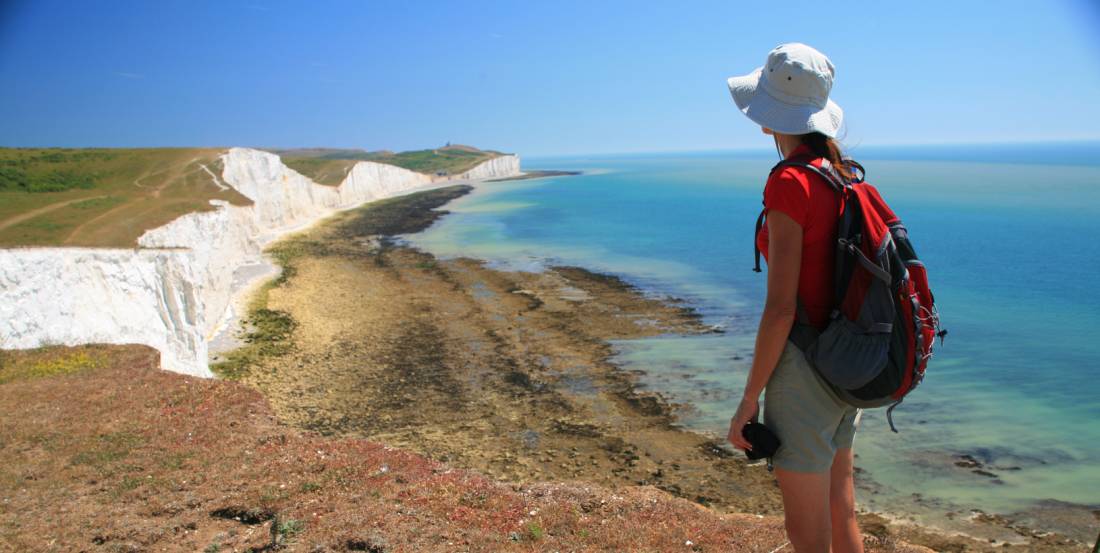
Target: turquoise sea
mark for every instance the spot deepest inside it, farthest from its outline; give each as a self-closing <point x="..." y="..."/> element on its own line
<point x="1011" y="236"/>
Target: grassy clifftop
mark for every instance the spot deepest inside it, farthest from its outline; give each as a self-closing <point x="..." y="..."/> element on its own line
<point x="330" y="166"/>
<point x="108" y="197"/>
<point x="103" y="197"/>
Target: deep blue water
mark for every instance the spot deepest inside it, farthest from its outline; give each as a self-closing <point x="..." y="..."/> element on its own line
<point x="1011" y="237"/>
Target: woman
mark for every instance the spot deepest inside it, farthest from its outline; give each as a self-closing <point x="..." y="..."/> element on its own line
<point x="789" y="98"/>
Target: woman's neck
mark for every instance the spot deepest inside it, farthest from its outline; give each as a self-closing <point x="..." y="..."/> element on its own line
<point x="786" y="143"/>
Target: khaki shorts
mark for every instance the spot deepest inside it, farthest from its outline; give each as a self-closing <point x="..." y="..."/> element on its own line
<point x="809" y="419"/>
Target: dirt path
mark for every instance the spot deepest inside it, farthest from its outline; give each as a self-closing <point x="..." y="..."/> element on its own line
<point x="93" y="221"/>
<point x="165" y="182"/>
<point x="179" y="174"/>
<point x="154" y="192"/>
<point x="43" y="210"/>
<point x="214" y="177"/>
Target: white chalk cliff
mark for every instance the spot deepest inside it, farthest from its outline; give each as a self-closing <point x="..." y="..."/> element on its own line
<point x="174" y="291"/>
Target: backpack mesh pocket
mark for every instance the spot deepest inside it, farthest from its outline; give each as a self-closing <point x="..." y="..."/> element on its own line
<point x="847" y="356"/>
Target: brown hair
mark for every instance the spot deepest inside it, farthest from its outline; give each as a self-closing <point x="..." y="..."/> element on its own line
<point x="828" y="148"/>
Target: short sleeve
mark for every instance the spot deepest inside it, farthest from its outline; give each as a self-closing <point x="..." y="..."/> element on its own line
<point x="788" y="193"/>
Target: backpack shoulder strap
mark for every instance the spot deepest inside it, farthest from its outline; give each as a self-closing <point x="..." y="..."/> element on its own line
<point x="805" y="164"/>
<point x="826" y="171"/>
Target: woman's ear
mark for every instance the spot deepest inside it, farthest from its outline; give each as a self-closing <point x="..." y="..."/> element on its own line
<point x="766" y="130"/>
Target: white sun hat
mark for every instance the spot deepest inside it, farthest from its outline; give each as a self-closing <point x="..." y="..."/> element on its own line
<point x="790" y="94"/>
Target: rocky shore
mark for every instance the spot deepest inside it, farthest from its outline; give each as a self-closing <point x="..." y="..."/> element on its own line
<point x="506" y="373"/>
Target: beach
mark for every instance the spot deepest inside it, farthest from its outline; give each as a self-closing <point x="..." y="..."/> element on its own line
<point x="505" y="372"/>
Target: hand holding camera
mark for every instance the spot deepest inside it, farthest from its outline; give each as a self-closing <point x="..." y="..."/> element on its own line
<point x="755" y="439"/>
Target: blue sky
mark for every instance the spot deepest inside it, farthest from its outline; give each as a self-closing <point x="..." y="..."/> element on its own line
<point x="536" y="78"/>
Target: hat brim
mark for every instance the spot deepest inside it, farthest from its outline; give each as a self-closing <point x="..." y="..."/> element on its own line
<point x="767" y="111"/>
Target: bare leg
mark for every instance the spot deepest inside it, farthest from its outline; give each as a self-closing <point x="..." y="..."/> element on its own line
<point x="842" y="504"/>
<point x="806" y="509"/>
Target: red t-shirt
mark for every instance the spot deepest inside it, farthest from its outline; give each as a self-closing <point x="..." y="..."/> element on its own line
<point x="815" y="206"/>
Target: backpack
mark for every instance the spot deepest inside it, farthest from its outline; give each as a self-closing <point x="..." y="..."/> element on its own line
<point x="879" y="337"/>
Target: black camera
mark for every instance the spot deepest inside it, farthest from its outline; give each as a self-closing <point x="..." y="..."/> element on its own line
<point x="764" y="442"/>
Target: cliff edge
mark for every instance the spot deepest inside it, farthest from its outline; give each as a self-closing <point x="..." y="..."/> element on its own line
<point x="174" y="290"/>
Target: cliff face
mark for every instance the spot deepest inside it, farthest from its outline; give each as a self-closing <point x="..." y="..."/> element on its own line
<point x="174" y="291"/>
<point x="83" y="295"/>
<point x="502" y="166"/>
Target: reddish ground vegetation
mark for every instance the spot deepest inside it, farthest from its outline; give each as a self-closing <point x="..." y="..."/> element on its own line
<point x="121" y="456"/>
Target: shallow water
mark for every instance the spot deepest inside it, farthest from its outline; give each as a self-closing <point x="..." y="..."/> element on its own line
<point x="1011" y="243"/>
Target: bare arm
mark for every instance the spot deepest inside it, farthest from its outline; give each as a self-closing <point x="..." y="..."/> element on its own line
<point x="784" y="265"/>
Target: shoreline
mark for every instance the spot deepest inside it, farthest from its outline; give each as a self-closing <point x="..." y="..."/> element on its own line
<point x="538" y="174"/>
<point x="248" y="278"/>
<point x="974" y="519"/>
<point x="568" y="289"/>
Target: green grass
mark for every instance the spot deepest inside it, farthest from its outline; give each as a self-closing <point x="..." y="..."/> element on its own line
<point x="329" y="172"/>
<point x="110" y="449"/>
<point x="102" y="197"/>
<point x="288" y="529"/>
<point x="49" y="170"/>
<point x="535" y="531"/>
<point x="108" y="197"/>
<point x="450" y="161"/>
<point x="49" y="363"/>
<point x="269" y="335"/>
<point x="97" y="204"/>
<point x="329" y="167"/>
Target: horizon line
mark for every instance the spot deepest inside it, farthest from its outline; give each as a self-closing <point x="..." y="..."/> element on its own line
<point x="770" y="149"/>
<point x="738" y="149"/>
